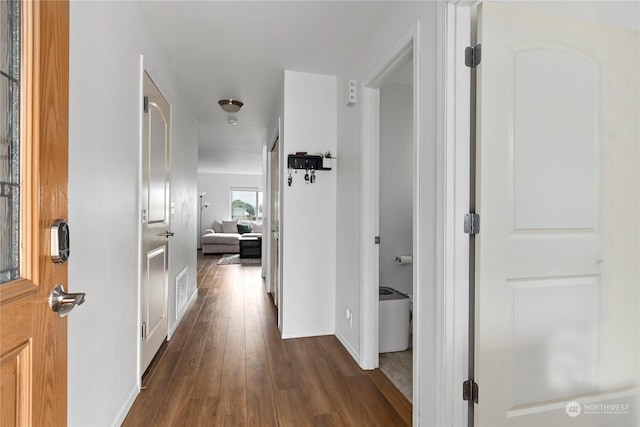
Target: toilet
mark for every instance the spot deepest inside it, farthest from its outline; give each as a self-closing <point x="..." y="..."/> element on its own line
<point x="393" y="329"/>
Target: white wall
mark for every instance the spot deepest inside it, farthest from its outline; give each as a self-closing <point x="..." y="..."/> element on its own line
<point x="309" y="210"/>
<point x="396" y="185"/>
<point x="106" y="41"/>
<point x="184" y="182"/>
<point x="217" y="186"/>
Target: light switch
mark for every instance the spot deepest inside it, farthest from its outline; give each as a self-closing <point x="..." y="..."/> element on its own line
<point x="351" y="93"/>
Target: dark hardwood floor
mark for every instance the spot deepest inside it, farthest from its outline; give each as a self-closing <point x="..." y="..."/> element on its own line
<point x="226" y="365"/>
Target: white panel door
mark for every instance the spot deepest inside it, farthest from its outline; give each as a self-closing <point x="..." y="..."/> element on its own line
<point x="557" y="324"/>
<point x="274" y="198"/>
<point x="156" y="214"/>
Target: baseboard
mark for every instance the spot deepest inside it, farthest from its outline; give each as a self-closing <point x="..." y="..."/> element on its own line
<point x="182" y="312"/>
<point x="127" y="407"/>
<point x="286" y="336"/>
<point x="350" y="349"/>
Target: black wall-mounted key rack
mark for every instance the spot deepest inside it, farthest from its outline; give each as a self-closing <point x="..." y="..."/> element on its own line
<point x="305" y="161"/>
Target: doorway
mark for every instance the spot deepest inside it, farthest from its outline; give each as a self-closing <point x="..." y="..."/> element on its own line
<point x="274" y="226"/>
<point x="274" y="218"/>
<point x="404" y="55"/>
<point x="395" y="262"/>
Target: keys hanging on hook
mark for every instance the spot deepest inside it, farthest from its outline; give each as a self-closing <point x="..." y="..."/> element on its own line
<point x="306" y="176"/>
<point x="313" y="176"/>
<point x="290" y="179"/>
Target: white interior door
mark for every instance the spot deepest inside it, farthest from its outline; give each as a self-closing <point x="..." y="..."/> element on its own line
<point x="558" y="194"/>
<point x="275" y="221"/>
<point x="156" y="214"/>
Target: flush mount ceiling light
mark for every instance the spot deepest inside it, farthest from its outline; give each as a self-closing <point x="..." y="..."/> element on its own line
<point x="230" y="105"/>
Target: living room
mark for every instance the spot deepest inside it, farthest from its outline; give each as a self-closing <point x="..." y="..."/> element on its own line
<point x="229" y="197"/>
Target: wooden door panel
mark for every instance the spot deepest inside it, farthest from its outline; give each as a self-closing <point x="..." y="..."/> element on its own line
<point x="15" y="386"/>
<point x="15" y="348"/>
<point x="33" y="339"/>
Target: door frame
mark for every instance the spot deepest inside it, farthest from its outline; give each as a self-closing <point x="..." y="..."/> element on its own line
<point x="454" y="172"/>
<point x="436" y="389"/>
<point x="405" y="48"/>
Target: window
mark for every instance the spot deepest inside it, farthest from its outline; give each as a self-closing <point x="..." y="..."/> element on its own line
<point x="246" y="203"/>
<point x="10" y="19"/>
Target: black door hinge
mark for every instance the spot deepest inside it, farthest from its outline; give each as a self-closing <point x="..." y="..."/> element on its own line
<point x="472" y="223"/>
<point x="472" y="56"/>
<point x="145" y="104"/>
<point x="470" y="391"/>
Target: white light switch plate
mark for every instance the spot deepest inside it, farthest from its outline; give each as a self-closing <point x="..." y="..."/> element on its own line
<point x="351" y="92"/>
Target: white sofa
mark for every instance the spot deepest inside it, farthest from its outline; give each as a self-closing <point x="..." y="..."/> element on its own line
<point x="224" y="237"/>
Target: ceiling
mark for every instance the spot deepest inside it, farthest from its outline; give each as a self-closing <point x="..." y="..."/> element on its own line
<point x="240" y="49"/>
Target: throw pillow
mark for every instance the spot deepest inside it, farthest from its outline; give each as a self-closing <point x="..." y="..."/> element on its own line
<point x="229" y="226"/>
<point x="256" y="227"/>
<point x="217" y="226"/>
<point x="244" y="228"/>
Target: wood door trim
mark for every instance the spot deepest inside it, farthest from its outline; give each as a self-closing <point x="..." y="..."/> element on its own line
<point x="16" y="289"/>
<point x="16" y="298"/>
<point x="29" y="189"/>
<point x="16" y="327"/>
<point x="49" y="201"/>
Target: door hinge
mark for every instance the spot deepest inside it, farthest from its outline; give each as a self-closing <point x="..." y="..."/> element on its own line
<point x="472" y="56"/>
<point x="145" y="104"/>
<point x="144" y="330"/>
<point x="470" y="391"/>
<point x="376" y="240"/>
<point x="472" y="223"/>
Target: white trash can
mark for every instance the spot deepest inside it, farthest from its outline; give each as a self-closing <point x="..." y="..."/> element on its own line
<point x="393" y="328"/>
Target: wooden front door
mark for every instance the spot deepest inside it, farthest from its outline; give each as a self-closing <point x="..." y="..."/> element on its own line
<point x="33" y="170"/>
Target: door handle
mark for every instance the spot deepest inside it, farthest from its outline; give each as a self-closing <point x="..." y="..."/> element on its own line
<point x="62" y="302"/>
<point x="168" y="234"/>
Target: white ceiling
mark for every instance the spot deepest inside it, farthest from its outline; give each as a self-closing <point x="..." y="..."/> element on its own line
<point x="240" y="49"/>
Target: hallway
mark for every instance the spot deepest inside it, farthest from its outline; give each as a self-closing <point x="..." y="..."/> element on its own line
<point x="226" y="365"/>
